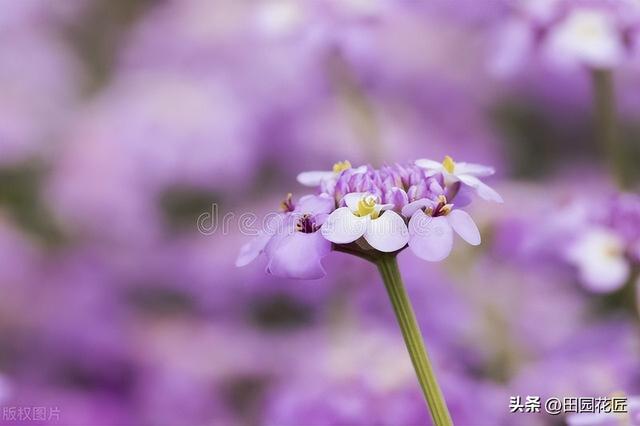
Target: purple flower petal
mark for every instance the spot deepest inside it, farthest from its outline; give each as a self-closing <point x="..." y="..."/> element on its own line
<point x="430" y="238"/>
<point x="411" y="208"/>
<point x="315" y="204"/>
<point x="398" y="197"/>
<point x="464" y="226"/>
<point x="252" y="249"/>
<point x="298" y="255"/>
<point x="482" y="189"/>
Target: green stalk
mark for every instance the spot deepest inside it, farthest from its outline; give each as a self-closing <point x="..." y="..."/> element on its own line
<point x="607" y="126"/>
<point x="388" y="267"/>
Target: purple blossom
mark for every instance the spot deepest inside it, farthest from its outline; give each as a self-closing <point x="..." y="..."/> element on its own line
<point x="291" y="241"/>
<point x="568" y="34"/>
<point x="371" y="208"/>
<point x="600" y="244"/>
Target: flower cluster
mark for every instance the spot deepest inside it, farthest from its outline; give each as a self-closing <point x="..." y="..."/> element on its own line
<point x="566" y="33"/>
<point x="367" y="211"/>
<point x="608" y="245"/>
<point x="603" y="245"/>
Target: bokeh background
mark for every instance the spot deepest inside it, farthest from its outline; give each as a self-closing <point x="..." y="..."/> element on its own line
<point x="123" y="121"/>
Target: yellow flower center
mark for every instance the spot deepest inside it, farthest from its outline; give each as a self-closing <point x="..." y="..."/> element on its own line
<point x="341" y="166"/>
<point x="448" y="164"/>
<point x="367" y="206"/>
<point x="612" y="250"/>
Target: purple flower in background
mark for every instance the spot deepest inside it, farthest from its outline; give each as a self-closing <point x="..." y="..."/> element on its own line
<point x="605" y="249"/>
<point x="569" y="33"/>
<point x="599" y="256"/>
<point x="602" y="244"/>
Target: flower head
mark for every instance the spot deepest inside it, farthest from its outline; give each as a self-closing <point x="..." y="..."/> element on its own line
<point x="466" y="173"/>
<point x="368" y="211"/>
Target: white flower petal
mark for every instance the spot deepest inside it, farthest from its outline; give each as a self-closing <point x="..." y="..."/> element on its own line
<point x="352" y="199"/>
<point x="599" y="256"/>
<point x="342" y="226"/>
<point x="388" y="232"/>
<point x="430" y="238"/>
<point x="382" y="207"/>
<point x="429" y="164"/>
<point x="483" y="190"/>
<point x="605" y="275"/>
<point x="314" y="178"/>
<point x="464" y="226"/>
<point x="474" y="169"/>
<point x="586" y="37"/>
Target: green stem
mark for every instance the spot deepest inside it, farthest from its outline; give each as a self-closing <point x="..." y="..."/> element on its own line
<point x="607" y="125"/>
<point x="388" y="267"/>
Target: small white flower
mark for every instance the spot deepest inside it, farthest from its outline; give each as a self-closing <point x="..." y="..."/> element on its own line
<point x="467" y="173"/>
<point x="586" y="37"/>
<point x="599" y="255"/>
<point x="364" y="216"/>
<point x="279" y="18"/>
